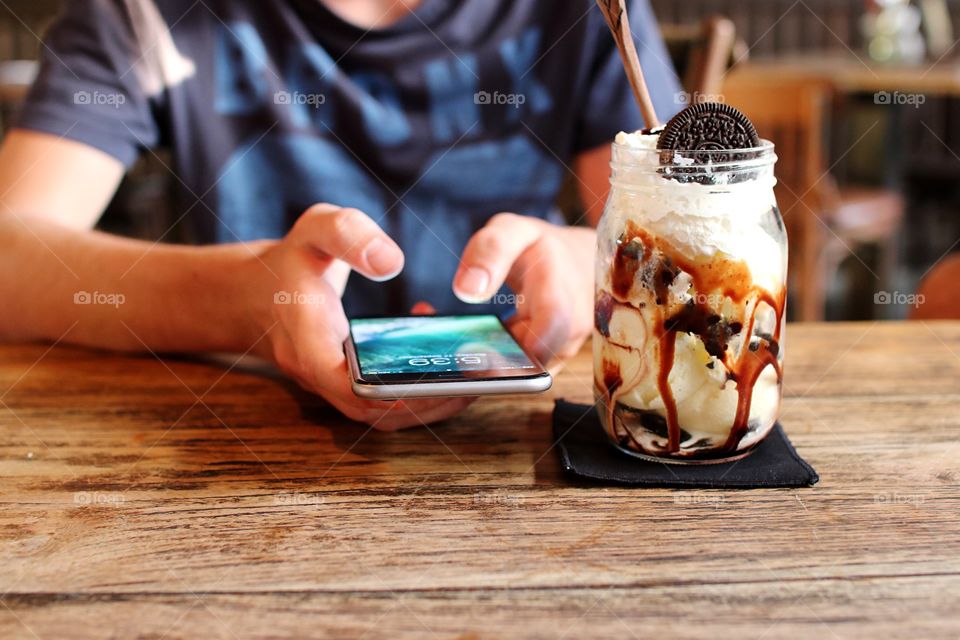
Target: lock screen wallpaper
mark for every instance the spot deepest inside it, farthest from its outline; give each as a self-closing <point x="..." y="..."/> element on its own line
<point x="434" y="344"/>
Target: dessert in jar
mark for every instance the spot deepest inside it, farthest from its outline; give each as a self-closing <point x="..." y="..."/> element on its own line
<point x="690" y="290"/>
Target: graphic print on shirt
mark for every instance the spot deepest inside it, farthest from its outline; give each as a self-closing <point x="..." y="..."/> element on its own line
<point x="270" y="179"/>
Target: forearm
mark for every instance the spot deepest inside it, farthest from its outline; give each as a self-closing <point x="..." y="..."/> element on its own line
<point x="94" y="289"/>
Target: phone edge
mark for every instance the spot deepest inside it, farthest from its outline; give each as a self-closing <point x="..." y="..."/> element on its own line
<point x="467" y="388"/>
<point x="538" y="384"/>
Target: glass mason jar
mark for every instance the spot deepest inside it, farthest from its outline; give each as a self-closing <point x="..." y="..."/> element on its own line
<point x="690" y="294"/>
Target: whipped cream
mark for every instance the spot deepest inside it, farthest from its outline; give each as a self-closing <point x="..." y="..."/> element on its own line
<point x="701" y="220"/>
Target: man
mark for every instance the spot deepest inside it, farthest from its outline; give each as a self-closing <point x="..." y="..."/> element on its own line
<point x="411" y="122"/>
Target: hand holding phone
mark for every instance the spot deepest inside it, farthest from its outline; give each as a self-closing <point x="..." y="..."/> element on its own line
<point x="293" y="291"/>
<point x="549" y="269"/>
<point x="431" y="356"/>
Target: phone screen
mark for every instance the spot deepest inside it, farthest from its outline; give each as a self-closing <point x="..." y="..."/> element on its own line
<point x="438" y="347"/>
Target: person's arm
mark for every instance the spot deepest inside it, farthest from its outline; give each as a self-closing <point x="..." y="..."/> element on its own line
<point x="62" y="180"/>
<point x="62" y="281"/>
<point x="592" y="170"/>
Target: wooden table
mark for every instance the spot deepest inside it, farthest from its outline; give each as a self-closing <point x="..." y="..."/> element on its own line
<point x="851" y="74"/>
<point x="174" y="500"/>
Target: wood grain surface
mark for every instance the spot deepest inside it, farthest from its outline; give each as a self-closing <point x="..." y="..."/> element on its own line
<point x="183" y="499"/>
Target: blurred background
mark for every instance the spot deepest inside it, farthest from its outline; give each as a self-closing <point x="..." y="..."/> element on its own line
<point x="860" y="97"/>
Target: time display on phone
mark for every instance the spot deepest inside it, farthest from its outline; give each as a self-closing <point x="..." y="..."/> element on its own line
<point x="426" y="344"/>
<point x="440" y="361"/>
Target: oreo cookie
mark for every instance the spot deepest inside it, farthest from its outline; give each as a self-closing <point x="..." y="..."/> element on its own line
<point x="707" y="127"/>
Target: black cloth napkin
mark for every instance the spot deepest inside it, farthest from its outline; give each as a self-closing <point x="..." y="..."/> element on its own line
<point x="586" y="451"/>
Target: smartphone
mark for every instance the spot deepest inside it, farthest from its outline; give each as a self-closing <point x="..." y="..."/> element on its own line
<point x="431" y="356"/>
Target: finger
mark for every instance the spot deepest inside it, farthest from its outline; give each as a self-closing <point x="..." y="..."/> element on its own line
<point x="423" y="309"/>
<point x="413" y="414"/>
<point x="316" y="335"/>
<point x="333" y="383"/>
<point x="490" y="254"/>
<point x="547" y="352"/>
<point x="545" y="318"/>
<point x="350" y="235"/>
<point x="337" y="275"/>
<point x="522" y="333"/>
<point x="391" y="415"/>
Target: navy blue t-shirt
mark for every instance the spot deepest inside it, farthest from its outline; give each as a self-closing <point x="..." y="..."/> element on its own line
<point x="460" y="110"/>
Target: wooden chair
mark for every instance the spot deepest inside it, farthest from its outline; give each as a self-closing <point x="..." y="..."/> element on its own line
<point x="824" y="222"/>
<point x="15" y="79"/>
<point x="701" y="54"/>
<point x="939" y="292"/>
<point x="20" y="21"/>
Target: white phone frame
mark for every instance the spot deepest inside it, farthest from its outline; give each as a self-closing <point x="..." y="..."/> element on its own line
<point x="538" y="382"/>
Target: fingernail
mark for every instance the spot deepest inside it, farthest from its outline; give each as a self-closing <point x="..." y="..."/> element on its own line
<point x="472" y="284"/>
<point x="385" y="258"/>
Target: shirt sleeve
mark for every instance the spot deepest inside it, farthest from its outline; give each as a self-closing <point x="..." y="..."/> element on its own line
<point x="87" y="89"/>
<point x="610" y="106"/>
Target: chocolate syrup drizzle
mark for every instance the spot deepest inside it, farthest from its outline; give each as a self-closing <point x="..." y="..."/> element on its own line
<point x="645" y="260"/>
